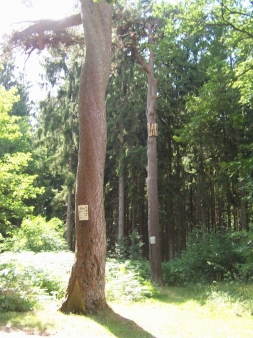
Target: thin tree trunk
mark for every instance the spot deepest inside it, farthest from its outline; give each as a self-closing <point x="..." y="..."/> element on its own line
<point x="86" y="288"/>
<point x="133" y="216"/>
<point x="241" y="186"/>
<point x="155" y="254"/>
<point x="121" y="225"/>
<point x="70" y="185"/>
<point x="170" y="232"/>
<point x="152" y="173"/>
<point x="243" y="205"/>
<point x="69" y="205"/>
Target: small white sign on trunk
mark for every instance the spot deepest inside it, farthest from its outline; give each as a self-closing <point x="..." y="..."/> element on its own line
<point x="83" y="212"/>
<point x="152" y="240"/>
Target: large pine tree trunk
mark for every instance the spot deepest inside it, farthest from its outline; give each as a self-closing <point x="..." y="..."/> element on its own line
<point x="85" y="292"/>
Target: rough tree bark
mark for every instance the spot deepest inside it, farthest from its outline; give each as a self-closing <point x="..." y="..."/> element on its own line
<point x="155" y="258"/>
<point x="86" y="288"/>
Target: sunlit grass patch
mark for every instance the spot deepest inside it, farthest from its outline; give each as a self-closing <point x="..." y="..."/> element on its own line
<point x="138" y="308"/>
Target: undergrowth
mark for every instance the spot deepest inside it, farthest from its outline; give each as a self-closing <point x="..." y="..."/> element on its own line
<point x="28" y="277"/>
<point x="124" y="282"/>
<point x="223" y="257"/>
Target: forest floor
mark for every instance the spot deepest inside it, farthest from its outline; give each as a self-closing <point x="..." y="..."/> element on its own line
<point x="174" y="315"/>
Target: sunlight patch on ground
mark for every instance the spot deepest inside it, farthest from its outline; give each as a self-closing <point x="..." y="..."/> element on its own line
<point x="186" y="320"/>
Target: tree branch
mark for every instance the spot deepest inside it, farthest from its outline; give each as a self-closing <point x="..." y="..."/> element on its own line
<point x="48" y="32"/>
<point x="49" y="25"/>
<point x="144" y="65"/>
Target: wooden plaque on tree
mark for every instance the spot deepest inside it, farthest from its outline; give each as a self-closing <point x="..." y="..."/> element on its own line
<point x="83" y="212"/>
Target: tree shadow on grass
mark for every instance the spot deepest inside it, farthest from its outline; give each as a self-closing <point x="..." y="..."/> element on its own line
<point x="181" y="295"/>
<point x="119" y="326"/>
<point x="111" y="321"/>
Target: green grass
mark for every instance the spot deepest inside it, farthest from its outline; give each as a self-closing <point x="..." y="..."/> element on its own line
<point x="221" y="310"/>
<point x="179" y="312"/>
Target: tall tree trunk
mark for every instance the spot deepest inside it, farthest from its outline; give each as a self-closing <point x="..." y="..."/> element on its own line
<point x="133" y="216"/>
<point x="121" y="225"/>
<point x="69" y="218"/>
<point x="242" y="194"/>
<point x="153" y="208"/>
<point x="243" y="204"/>
<point x="86" y="288"/>
<point x="200" y="202"/>
<point x="155" y="254"/>
<point x="69" y="203"/>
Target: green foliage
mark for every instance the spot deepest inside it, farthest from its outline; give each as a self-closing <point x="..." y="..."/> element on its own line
<point x="204" y="261"/>
<point x="17" y="185"/>
<point x="225" y="256"/>
<point x="128" y="247"/>
<point x="8" y="129"/>
<point x="27" y="278"/>
<point x="56" y="137"/>
<point x="18" y="291"/>
<point x="140" y="267"/>
<point x="125" y="283"/>
<point x="236" y="296"/>
<point x="136" y="246"/>
<point x="244" y="246"/>
<point x="37" y="235"/>
<point x="121" y="250"/>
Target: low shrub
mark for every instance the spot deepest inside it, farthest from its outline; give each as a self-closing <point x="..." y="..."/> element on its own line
<point x="26" y="278"/>
<point x="216" y="258"/>
<point x="17" y="290"/>
<point x="124" y="283"/>
<point x="36" y="235"/>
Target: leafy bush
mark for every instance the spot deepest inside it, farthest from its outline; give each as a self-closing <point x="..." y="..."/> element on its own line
<point x="243" y="241"/>
<point x="37" y="235"/>
<point x="17" y="291"/>
<point x="26" y="278"/>
<point x="205" y="261"/>
<point x="140" y="267"/>
<point x="124" y="283"/>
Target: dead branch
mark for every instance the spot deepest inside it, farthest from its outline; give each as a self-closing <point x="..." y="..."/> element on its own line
<point x="47" y="33"/>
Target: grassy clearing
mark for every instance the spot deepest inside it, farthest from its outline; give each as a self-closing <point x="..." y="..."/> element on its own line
<point x="179" y="312"/>
<point x="221" y="310"/>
